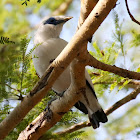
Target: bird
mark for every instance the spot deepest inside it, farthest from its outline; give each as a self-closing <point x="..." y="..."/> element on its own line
<point x="49" y="46"/>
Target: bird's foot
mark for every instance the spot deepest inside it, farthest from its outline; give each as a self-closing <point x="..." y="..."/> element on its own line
<point x="49" y="103"/>
<point x="59" y="94"/>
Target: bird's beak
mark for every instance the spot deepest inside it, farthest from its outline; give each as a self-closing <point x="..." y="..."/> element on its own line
<point x="67" y="18"/>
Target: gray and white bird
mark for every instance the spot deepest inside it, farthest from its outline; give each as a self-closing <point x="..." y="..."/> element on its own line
<point x="51" y="45"/>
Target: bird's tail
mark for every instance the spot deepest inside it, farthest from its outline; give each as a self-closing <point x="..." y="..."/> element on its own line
<point x="89" y="105"/>
<point x="97" y="117"/>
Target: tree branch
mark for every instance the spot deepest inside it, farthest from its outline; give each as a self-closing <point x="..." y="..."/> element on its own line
<point x="11" y="87"/>
<point x="131" y="16"/>
<point x="116" y="70"/>
<point x="62" y="9"/>
<point x="123" y="101"/>
<point x="108" y="111"/>
<point x="59" y="106"/>
<point x="132" y="83"/>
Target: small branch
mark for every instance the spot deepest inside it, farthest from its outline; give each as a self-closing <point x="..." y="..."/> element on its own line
<point x="108" y="111"/>
<point x="11" y="87"/>
<point x="123" y="101"/>
<point x="116" y="70"/>
<point x="75" y="127"/>
<point x="132" y="82"/>
<point x="131" y="16"/>
<point x="62" y="9"/>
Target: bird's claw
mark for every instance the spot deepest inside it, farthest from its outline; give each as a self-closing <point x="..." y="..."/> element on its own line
<point x="49" y="103"/>
<point x="61" y="94"/>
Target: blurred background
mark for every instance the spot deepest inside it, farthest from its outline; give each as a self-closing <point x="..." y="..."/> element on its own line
<point x="116" y="42"/>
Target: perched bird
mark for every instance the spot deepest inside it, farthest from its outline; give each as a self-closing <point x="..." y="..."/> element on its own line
<point x="50" y="46"/>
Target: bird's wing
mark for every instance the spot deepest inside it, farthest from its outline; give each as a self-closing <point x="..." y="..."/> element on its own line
<point x="46" y="52"/>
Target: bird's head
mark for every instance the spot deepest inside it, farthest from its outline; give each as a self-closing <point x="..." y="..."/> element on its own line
<point x="52" y="26"/>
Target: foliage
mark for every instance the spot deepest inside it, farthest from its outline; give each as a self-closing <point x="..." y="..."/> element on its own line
<point x="136" y="39"/>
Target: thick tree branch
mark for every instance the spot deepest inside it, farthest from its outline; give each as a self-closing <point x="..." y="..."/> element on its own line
<point x="131" y="16"/>
<point x="86" y="7"/>
<point x="115" y="106"/>
<point x="88" y="28"/>
<point x="58" y="107"/>
<point x="116" y="70"/>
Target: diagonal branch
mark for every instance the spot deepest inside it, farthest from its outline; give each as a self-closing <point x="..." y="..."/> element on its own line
<point x="58" y="107"/>
<point x="131" y="16"/>
<point x="123" y="101"/>
<point x="115" y="106"/>
<point x="116" y="70"/>
<point x="11" y="87"/>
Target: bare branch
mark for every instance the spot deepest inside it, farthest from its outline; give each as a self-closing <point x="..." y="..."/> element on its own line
<point x="75" y="127"/>
<point x="116" y="70"/>
<point x="108" y="111"/>
<point x="11" y="87"/>
<point x="123" y="101"/>
<point x="132" y="82"/>
<point x="62" y="9"/>
<point x="131" y="16"/>
<point x="86" y="7"/>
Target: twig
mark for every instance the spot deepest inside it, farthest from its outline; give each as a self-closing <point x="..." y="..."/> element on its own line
<point x="11" y="87"/>
<point x="131" y="16"/>
<point x="61" y="10"/>
<point x="132" y="82"/>
<point x="75" y="127"/>
<point x="20" y="97"/>
<point x="114" y="69"/>
<point x="108" y="111"/>
<point x="123" y="101"/>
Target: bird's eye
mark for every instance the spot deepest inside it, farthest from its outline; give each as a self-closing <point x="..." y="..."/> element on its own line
<point x="52" y="20"/>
